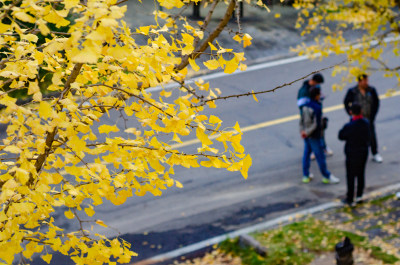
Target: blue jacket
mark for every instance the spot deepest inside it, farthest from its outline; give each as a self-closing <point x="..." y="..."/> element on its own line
<point x="303" y="95"/>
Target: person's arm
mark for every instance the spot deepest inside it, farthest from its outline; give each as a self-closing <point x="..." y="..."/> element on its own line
<point x="344" y="133"/>
<point x="309" y="121"/>
<point x="348" y="100"/>
<point x="375" y="105"/>
<point x="368" y="133"/>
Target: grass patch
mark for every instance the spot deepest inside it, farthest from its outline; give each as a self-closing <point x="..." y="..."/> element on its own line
<point x="381" y="200"/>
<point x="378" y="253"/>
<point x="297" y="243"/>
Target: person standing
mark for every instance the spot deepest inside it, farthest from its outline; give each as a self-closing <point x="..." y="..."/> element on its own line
<point x="357" y="134"/>
<point x="367" y="97"/>
<point x="311" y="131"/>
<point x="303" y="97"/>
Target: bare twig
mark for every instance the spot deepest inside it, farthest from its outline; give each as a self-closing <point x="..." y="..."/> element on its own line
<point x="273" y="89"/>
<point x="238" y="17"/>
<point x="191" y="91"/>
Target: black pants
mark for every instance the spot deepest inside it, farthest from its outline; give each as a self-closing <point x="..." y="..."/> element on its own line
<point x="355" y="168"/>
<point x="374" y="143"/>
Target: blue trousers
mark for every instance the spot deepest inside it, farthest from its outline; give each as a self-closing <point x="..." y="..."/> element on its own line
<point x="315" y="146"/>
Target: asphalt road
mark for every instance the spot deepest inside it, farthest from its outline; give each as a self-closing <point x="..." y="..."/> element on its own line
<point x="213" y="202"/>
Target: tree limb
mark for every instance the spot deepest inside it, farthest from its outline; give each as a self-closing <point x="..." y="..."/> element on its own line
<point x="51" y="135"/>
<point x="210" y="39"/>
<point x="273" y="89"/>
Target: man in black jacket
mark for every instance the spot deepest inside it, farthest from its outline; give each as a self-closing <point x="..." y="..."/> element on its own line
<point x="367" y="97"/>
<point x="357" y="134"/>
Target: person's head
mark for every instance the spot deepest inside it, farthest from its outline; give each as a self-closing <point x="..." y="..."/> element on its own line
<point x="362" y="81"/>
<point x="316" y="79"/>
<point x="355" y="109"/>
<point x="315" y="93"/>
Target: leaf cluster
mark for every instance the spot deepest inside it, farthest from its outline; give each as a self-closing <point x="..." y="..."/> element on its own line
<point x="60" y="157"/>
<point x="360" y="30"/>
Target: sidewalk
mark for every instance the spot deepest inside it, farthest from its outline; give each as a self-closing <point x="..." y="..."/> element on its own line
<point x="373" y="227"/>
<point x="306" y="236"/>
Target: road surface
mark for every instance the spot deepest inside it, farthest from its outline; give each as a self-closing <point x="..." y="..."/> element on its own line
<point x="213" y="202"/>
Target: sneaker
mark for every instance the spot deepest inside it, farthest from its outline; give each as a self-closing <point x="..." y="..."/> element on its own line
<point x="331" y="180"/>
<point x="328" y="151"/>
<point x="359" y="199"/>
<point x="312" y="156"/>
<point x="377" y="158"/>
<point x="308" y="179"/>
<point x="348" y="203"/>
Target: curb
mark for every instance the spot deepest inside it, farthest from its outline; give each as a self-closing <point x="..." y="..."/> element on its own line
<point x="200" y="248"/>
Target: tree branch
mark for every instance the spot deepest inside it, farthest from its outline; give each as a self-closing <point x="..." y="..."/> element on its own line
<point x="51" y="135"/>
<point x="210" y="39"/>
<point x="273" y="89"/>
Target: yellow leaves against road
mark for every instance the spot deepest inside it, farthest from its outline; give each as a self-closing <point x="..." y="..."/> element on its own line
<point x="91" y="130"/>
<point x="203" y="137"/>
<point x="108" y="128"/>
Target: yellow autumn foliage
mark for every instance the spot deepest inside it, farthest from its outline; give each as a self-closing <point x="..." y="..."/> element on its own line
<point x="59" y="154"/>
<point x="374" y="27"/>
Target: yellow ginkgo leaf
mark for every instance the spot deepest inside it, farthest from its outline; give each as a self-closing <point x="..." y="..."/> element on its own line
<point x="237" y="38"/>
<point x="99" y="222"/>
<point x="247" y="162"/>
<point x="247" y="40"/>
<point x="166" y="94"/>
<point x="12" y="149"/>
<point x="193" y="64"/>
<point x="47" y="258"/>
<point x="254" y="96"/>
<point x="178" y="184"/>
<point x="45" y="110"/>
<point x="89" y="211"/>
<point x="69" y="214"/>
<point x="203" y="137"/>
<point x="176" y="138"/>
<point x="108" y="128"/>
<point x="214" y="119"/>
<point x="231" y="66"/>
<point x="212" y="64"/>
<point x="24" y="17"/>
<point x="237" y="127"/>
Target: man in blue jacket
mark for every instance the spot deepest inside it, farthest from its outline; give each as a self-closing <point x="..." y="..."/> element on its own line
<point x="311" y="130"/>
<point x="367" y="97"/>
<point x="303" y="97"/>
<point x="357" y="134"/>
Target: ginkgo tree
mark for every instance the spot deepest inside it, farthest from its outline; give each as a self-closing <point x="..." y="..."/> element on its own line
<point x="52" y="157"/>
<point x="374" y="27"/>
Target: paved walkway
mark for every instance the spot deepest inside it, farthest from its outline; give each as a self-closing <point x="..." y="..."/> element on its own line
<point x="377" y="219"/>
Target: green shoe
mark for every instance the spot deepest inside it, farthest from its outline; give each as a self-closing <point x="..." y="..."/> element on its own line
<point x="306" y="179"/>
<point x="331" y="180"/>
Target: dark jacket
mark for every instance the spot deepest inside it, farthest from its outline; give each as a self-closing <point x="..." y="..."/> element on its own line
<point x="311" y="119"/>
<point x="303" y="95"/>
<point x="357" y="135"/>
<point x="352" y="95"/>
